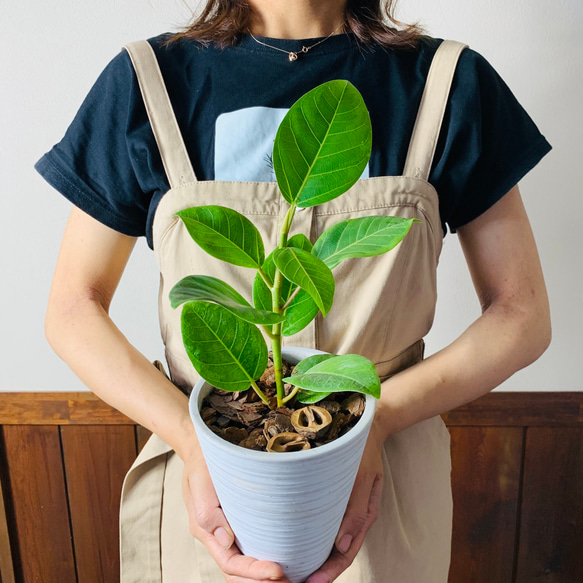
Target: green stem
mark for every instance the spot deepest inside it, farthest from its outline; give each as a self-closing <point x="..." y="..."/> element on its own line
<point x="278" y="368"/>
<point x="261" y="394"/>
<point x="277" y="308"/>
<point x="268" y="332"/>
<point x="291" y="299"/>
<point x="266" y="279"/>
<point x="291" y="395"/>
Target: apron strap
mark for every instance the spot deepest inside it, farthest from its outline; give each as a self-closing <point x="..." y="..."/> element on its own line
<point x="161" y="115"/>
<point x="432" y="109"/>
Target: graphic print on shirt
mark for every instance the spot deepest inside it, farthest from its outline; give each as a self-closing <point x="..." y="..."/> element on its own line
<point x="244" y="144"/>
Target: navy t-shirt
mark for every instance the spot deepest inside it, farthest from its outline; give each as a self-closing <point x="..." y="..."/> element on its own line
<point x="229" y="102"/>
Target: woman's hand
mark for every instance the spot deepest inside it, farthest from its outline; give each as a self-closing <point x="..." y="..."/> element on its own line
<point x="209" y="525"/>
<point x="361" y="512"/>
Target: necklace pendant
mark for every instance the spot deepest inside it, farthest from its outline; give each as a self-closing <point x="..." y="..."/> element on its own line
<point x="292" y="57"/>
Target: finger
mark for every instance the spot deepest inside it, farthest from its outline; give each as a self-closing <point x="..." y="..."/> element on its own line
<point x="233" y="563"/>
<point x="336" y="564"/>
<point x="209" y="525"/>
<point x="235" y="579"/>
<point x="339" y="560"/>
<point x="204" y="509"/>
<point x="361" y="512"/>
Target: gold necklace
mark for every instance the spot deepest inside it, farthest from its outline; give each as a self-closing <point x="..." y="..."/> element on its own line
<point x="292" y="55"/>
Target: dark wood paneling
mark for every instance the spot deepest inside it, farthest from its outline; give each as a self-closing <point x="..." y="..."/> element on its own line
<point x="6" y="566"/>
<point x="551" y="534"/>
<point x="486" y="484"/>
<point x="521" y="409"/>
<point x="498" y="409"/>
<point x="96" y="461"/>
<point x="57" y="409"/>
<point x="38" y="492"/>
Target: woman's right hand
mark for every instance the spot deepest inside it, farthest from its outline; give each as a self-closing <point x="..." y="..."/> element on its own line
<point x="209" y="525"/>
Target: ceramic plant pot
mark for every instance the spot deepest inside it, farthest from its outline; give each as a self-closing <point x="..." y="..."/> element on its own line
<point x="284" y="507"/>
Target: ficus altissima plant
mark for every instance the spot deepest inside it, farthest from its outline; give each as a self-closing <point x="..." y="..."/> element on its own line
<point x="321" y="149"/>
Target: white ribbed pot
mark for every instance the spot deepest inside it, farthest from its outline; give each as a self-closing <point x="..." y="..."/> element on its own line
<point x="284" y="507"/>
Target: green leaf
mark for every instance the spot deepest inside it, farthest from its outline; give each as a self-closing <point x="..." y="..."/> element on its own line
<point x="225" y="234"/>
<point x="309" y="398"/>
<point x="197" y="288"/>
<point x="300" y="241"/>
<point x="261" y="293"/>
<point x="302" y="367"/>
<point x="348" y="372"/>
<point x="226" y="351"/>
<point x="309" y="272"/>
<point x="322" y="145"/>
<point x="362" y="237"/>
<point x="306" y="364"/>
<point x="301" y="311"/>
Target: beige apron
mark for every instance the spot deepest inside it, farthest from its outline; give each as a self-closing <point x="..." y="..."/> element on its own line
<point x="383" y="307"/>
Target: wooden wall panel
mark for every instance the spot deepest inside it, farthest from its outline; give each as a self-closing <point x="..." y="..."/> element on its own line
<point x="38" y="497"/>
<point x="551" y="535"/>
<point x="6" y="566"/>
<point x="486" y="464"/>
<point x="96" y="461"/>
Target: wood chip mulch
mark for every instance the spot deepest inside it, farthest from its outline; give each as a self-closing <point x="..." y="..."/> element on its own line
<point x="243" y="419"/>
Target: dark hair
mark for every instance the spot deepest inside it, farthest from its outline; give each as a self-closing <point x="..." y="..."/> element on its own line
<point x="223" y="22"/>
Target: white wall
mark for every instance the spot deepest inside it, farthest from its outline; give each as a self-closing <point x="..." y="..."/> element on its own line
<point x="53" y="51"/>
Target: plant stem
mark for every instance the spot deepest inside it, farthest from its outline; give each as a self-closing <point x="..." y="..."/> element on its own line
<point x="268" y="332"/>
<point x="291" y="395"/>
<point x="266" y="279"/>
<point x="291" y="298"/>
<point x="261" y="394"/>
<point x="277" y="308"/>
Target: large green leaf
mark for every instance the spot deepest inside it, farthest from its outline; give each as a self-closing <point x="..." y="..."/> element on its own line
<point x="308" y="397"/>
<point x="197" y="288"/>
<point x="348" y="372"/>
<point x="309" y="272"/>
<point x="362" y="237"/>
<point x="322" y="145"/>
<point x="225" y="234"/>
<point x="301" y="311"/>
<point x="261" y="293"/>
<point x="226" y="351"/>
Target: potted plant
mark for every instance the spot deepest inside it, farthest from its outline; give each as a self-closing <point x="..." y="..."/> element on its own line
<point x="286" y="507"/>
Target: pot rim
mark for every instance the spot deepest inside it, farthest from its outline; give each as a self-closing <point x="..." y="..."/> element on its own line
<point x="271" y="457"/>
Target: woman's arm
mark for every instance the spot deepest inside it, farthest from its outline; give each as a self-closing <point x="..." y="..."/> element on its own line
<point x="513" y="331"/>
<point x="78" y="327"/>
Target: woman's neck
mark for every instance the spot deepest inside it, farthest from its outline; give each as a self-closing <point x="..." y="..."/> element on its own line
<point x="296" y="19"/>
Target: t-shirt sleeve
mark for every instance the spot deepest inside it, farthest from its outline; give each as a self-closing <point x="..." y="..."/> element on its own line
<point x="92" y="165"/>
<point x="487" y="145"/>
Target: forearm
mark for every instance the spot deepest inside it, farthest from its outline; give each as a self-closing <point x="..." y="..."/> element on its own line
<point x="85" y="337"/>
<point x="499" y="343"/>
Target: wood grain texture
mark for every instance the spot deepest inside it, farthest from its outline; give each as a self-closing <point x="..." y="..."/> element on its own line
<point x="486" y="465"/>
<point x="37" y="486"/>
<point x="498" y="409"/>
<point x="82" y="408"/>
<point x="96" y="461"/>
<point x="6" y="565"/>
<point x="520" y="409"/>
<point x="551" y="535"/>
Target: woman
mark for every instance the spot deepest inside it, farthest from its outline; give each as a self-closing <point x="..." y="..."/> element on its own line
<point x="240" y="66"/>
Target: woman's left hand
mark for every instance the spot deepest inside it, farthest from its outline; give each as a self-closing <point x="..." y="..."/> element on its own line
<point x="361" y="512"/>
